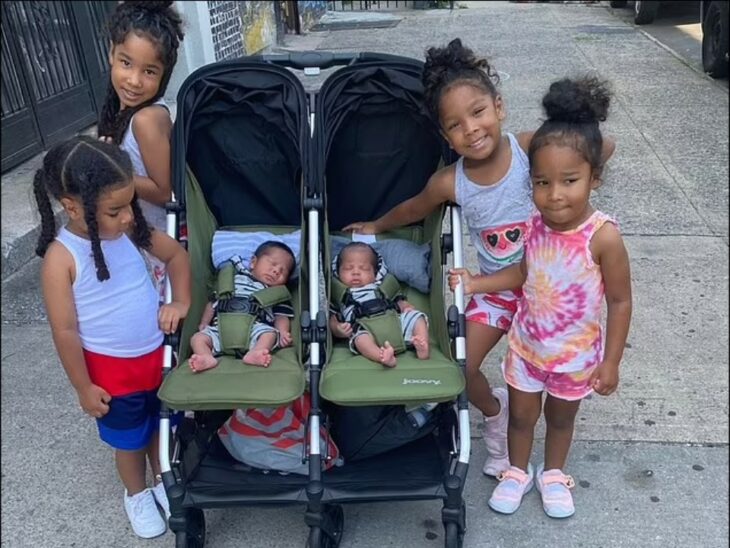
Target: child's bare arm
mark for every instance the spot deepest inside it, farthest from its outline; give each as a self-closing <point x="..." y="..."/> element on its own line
<point x="511" y="277"/>
<point x="610" y="253"/>
<point x="177" y="263"/>
<point x="57" y="276"/>
<point x="439" y="189"/>
<point x="152" y="127"/>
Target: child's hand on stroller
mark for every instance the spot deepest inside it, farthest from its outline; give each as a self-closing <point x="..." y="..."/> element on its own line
<point x="170" y="315"/>
<point x="285" y="339"/>
<point x="94" y="400"/>
<point x="462" y="275"/>
<point x="361" y="228"/>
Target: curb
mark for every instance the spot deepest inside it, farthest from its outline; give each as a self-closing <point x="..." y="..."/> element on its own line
<point x="21" y="250"/>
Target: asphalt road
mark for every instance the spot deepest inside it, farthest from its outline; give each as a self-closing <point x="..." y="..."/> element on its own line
<point x="677" y="28"/>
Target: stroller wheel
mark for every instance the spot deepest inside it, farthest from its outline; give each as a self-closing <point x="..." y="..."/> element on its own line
<point x="330" y="534"/>
<point x="454" y="531"/>
<point x="453" y="537"/>
<point x="194" y="534"/>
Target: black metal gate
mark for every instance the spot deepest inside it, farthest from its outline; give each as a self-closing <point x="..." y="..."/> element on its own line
<point x="54" y="73"/>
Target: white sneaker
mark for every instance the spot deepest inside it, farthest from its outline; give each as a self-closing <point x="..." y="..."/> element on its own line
<point x="158" y="491"/>
<point x="495" y="436"/>
<point x="143" y="514"/>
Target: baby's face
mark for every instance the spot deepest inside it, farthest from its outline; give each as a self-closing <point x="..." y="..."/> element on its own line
<point x="356" y="269"/>
<point x="273" y="267"/>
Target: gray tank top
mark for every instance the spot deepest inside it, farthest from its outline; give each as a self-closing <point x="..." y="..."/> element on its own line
<point x="496" y="215"/>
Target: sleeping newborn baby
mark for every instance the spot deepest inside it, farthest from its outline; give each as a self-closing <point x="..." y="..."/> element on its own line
<point x="359" y="267"/>
<point x="271" y="265"/>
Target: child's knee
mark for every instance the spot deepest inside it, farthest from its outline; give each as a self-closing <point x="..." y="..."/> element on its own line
<point x="523" y="419"/>
<point x="560" y="421"/>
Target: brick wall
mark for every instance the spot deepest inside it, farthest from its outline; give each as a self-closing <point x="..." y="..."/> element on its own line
<point x="225" y="25"/>
<point x="246" y="28"/>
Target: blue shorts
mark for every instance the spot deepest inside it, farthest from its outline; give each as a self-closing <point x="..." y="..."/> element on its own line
<point x="131" y="421"/>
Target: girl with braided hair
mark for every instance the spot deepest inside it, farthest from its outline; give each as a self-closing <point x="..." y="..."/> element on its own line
<point x="103" y="308"/>
<point x="144" y="39"/>
<point x="491" y="183"/>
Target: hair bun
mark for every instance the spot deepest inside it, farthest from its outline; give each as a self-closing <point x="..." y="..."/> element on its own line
<point x="151" y="6"/>
<point x="584" y="100"/>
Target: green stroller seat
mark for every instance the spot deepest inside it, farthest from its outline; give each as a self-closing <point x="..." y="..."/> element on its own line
<point x="355" y="380"/>
<point x="231" y="384"/>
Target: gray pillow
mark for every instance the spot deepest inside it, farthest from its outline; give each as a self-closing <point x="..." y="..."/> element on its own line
<point x="407" y="261"/>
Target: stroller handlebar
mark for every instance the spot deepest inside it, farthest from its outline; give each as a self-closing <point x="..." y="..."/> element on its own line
<point x="306" y="59"/>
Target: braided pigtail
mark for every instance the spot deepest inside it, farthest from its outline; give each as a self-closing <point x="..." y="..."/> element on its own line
<point x="48" y="221"/>
<point x="141" y="233"/>
<point x="90" y="197"/>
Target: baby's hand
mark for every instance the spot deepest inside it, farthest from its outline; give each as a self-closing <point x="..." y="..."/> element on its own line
<point x="604" y="379"/>
<point x="344" y="329"/>
<point x="94" y="401"/>
<point x="462" y="275"/>
<point x="170" y="315"/>
<point x="405" y="306"/>
<point x="285" y="339"/>
<point x="361" y="228"/>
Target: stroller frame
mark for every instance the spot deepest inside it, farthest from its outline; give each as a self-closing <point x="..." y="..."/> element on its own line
<point x="323" y="514"/>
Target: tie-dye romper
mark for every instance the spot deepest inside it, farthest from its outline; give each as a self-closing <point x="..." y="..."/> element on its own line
<point x="556" y="341"/>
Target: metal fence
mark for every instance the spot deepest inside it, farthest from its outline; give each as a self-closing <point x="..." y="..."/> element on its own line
<point x="54" y="72"/>
<point x="365" y="5"/>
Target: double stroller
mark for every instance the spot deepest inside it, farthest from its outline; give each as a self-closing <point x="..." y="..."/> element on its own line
<point x="253" y="152"/>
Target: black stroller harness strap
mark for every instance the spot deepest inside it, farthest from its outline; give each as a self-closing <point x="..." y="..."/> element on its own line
<point x="379" y="316"/>
<point x="236" y="315"/>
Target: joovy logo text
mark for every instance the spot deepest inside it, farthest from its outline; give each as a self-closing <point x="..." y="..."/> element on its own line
<point x="422" y="381"/>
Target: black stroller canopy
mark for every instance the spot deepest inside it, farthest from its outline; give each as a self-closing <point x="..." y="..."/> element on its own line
<point x="376" y="143"/>
<point x="242" y="129"/>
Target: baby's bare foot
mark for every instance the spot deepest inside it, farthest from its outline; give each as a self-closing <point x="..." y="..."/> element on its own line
<point x="200" y="363"/>
<point x="260" y="357"/>
<point x="387" y="355"/>
<point x="421" y="345"/>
